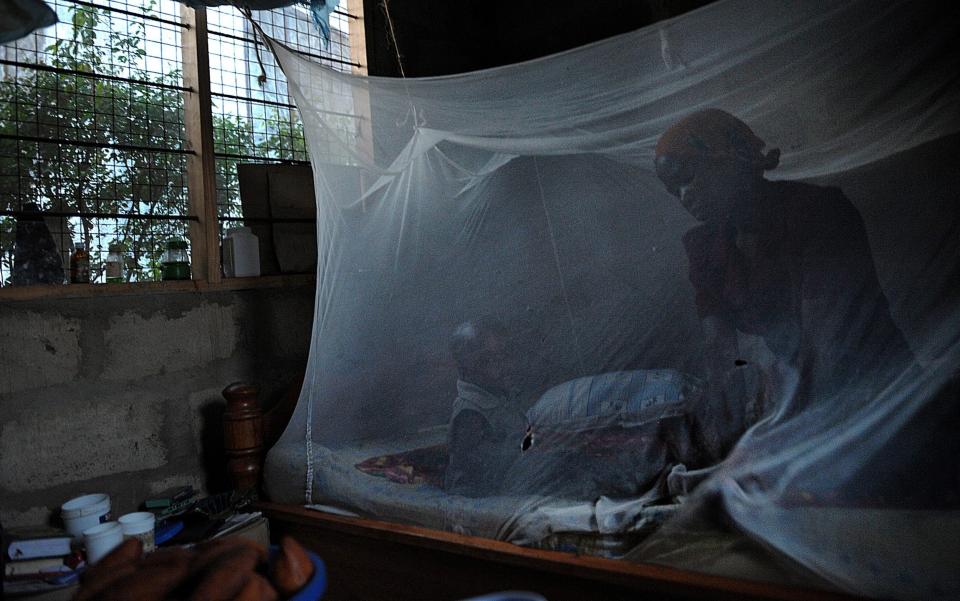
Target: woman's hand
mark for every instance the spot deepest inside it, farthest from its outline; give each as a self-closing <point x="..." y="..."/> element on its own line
<point x="223" y="569"/>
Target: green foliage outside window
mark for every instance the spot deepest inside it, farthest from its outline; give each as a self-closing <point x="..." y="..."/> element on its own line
<point x="85" y="178"/>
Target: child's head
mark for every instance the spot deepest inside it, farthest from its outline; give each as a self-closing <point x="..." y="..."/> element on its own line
<point x="480" y="349"/>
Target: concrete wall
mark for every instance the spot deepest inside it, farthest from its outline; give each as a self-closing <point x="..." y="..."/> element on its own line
<point x="121" y="394"/>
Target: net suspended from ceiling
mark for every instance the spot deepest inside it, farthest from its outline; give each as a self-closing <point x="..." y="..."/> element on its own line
<point x="688" y="295"/>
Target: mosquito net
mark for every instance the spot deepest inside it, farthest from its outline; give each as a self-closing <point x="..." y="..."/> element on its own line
<point x="688" y="295"/>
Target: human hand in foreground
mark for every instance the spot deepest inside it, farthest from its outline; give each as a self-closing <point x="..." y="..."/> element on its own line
<point x="220" y="570"/>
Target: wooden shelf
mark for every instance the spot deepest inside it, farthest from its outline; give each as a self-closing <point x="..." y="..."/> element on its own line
<point x="24" y="293"/>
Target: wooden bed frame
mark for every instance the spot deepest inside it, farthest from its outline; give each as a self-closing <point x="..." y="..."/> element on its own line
<point x="372" y="560"/>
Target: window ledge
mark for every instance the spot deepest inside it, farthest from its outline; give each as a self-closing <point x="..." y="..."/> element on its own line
<point x="39" y="292"/>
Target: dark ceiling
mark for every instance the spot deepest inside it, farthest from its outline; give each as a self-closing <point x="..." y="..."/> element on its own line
<point x="439" y="37"/>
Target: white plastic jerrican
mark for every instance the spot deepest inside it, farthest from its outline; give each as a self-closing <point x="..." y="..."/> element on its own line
<point x="140" y="525"/>
<point x="85" y="512"/>
<point x="241" y="253"/>
<point x="102" y="539"/>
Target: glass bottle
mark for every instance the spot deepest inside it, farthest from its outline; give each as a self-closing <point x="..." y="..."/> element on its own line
<point x="114" y="264"/>
<point x="80" y="265"/>
<point x="176" y="261"/>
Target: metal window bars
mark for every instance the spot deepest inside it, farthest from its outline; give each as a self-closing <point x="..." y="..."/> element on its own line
<point x="248" y="88"/>
<point x="92" y="125"/>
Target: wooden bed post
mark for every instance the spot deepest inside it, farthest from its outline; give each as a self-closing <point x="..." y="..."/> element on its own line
<point x="243" y="436"/>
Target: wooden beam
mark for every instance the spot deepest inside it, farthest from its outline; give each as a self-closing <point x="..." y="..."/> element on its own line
<point x="43" y="291"/>
<point x="372" y="559"/>
<point x="201" y="166"/>
<point x="358" y="36"/>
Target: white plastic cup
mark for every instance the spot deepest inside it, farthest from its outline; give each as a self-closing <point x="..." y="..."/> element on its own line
<point x="102" y="539"/>
<point x="85" y="512"/>
<point x="139" y="525"/>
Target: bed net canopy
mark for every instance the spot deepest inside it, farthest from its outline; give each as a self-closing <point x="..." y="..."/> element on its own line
<point x="687" y="296"/>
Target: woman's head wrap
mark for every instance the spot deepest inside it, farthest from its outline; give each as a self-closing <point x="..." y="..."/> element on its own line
<point x="716" y="133"/>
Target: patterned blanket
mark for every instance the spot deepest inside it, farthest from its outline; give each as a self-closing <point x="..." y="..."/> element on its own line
<point x="597" y="442"/>
<point x="418" y="466"/>
<point x="427" y="465"/>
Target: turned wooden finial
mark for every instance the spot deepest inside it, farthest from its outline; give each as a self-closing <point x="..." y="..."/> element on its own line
<point x="243" y="435"/>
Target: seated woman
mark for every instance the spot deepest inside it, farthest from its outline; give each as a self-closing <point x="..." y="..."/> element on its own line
<point x="786" y="261"/>
<point x="486" y="425"/>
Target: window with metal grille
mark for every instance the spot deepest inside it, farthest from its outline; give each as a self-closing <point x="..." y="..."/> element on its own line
<point x="91" y="133"/>
<point x="254" y="118"/>
<point x="93" y="130"/>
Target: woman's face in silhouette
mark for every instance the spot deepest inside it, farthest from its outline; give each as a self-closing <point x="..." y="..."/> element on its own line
<point x="711" y="188"/>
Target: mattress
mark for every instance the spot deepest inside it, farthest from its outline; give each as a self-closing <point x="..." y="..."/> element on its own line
<point x="603" y="526"/>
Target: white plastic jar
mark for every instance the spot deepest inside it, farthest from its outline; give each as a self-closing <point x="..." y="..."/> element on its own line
<point x="139" y="525"/>
<point x="241" y="253"/>
<point x="102" y="539"/>
<point x="85" y="512"/>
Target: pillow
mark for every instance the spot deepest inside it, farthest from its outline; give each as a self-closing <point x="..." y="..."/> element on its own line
<point x="622" y="398"/>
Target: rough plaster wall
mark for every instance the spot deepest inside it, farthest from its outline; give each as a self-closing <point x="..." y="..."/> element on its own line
<point x="32" y="335"/>
<point x="122" y="394"/>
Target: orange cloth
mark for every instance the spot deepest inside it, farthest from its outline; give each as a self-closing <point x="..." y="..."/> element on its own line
<point x="716" y="133"/>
